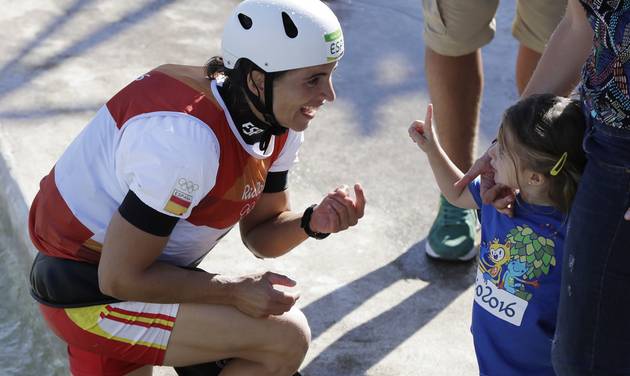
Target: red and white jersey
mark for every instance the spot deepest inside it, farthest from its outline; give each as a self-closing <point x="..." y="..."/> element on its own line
<point x="178" y="151"/>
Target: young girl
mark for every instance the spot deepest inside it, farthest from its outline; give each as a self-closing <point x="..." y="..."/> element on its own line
<point x="538" y="153"/>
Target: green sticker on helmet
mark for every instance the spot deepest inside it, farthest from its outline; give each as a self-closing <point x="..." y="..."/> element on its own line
<point x="335" y="42"/>
<point x="333" y="36"/>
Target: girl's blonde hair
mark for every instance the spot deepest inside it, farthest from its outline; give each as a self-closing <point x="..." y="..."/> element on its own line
<point x="548" y="132"/>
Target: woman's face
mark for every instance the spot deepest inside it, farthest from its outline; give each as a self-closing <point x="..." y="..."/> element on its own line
<point x="299" y="93"/>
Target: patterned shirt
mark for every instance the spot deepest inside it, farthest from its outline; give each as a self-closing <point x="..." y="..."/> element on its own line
<point x="604" y="88"/>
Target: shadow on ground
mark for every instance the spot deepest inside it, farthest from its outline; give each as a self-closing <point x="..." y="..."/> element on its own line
<point x="382" y="334"/>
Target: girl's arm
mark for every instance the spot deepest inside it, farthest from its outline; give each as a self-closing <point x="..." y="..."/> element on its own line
<point x="445" y="172"/>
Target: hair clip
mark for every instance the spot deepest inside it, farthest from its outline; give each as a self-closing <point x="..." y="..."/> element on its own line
<point x="556" y="169"/>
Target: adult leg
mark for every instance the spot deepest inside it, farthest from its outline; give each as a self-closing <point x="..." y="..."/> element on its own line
<point x="526" y="62"/>
<point x="454" y="31"/>
<point x="268" y="346"/>
<point x="593" y="331"/>
<point x="455" y="86"/>
<point x="119" y="338"/>
<point x="533" y="25"/>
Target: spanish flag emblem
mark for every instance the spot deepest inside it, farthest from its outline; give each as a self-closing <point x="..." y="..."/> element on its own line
<point x="178" y="203"/>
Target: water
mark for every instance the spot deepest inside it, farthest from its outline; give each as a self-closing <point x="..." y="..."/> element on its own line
<point x="27" y="346"/>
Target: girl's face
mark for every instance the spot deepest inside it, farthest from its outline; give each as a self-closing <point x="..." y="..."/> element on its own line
<point x="505" y="170"/>
<point x="299" y="93"/>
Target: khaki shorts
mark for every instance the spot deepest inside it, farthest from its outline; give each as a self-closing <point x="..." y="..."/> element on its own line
<point x="459" y="27"/>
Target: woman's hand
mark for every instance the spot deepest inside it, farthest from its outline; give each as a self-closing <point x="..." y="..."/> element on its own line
<point x="627" y="216"/>
<point x="338" y="210"/>
<point x="499" y="195"/>
<point x="256" y="296"/>
<point x="422" y="133"/>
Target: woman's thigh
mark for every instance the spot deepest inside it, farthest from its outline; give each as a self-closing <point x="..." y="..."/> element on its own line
<point x="113" y="339"/>
<point x="121" y="337"/>
<point x="204" y="333"/>
<point x="593" y="330"/>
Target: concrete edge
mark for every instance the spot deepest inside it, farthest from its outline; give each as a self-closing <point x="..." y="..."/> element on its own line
<point x="13" y="200"/>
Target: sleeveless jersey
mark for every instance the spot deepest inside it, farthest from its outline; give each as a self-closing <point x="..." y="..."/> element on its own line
<point x="176" y="150"/>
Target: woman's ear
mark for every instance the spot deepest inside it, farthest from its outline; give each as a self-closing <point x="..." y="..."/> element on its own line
<point x="256" y="82"/>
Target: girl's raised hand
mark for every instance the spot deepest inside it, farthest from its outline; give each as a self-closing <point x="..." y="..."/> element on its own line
<point x="422" y="133"/>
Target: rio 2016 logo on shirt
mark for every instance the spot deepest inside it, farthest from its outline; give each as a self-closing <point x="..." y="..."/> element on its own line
<point x="247" y="208"/>
<point x="508" y="272"/>
<point x="335" y="45"/>
<point x="252" y="191"/>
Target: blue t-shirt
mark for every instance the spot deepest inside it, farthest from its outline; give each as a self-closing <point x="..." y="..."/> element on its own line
<point x="517" y="288"/>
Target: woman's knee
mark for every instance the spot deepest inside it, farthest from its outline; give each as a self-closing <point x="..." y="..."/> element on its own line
<point x="297" y="331"/>
<point x="293" y="341"/>
<point x="206" y="333"/>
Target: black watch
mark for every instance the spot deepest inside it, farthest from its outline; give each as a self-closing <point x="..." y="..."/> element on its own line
<point x="306" y="224"/>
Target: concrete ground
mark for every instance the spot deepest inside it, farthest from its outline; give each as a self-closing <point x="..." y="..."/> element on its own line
<point x="376" y="304"/>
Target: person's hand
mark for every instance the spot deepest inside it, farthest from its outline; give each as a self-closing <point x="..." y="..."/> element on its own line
<point x="338" y="210"/>
<point x="422" y="133"/>
<point x="500" y="196"/>
<point x="256" y="296"/>
<point x="627" y="216"/>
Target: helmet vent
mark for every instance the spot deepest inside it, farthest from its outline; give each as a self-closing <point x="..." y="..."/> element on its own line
<point x="245" y="21"/>
<point x="289" y="27"/>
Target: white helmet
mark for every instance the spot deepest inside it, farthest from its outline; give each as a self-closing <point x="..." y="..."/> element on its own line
<point x="280" y="35"/>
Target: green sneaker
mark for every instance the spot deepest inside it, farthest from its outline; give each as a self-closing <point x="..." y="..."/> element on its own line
<point x="454" y="234"/>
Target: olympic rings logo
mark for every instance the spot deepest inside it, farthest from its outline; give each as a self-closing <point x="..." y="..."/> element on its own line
<point x="187" y="185"/>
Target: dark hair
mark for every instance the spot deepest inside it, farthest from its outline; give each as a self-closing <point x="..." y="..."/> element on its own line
<point x="215" y="68"/>
<point x="235" y="80"/>
<point x="545" y="127"/>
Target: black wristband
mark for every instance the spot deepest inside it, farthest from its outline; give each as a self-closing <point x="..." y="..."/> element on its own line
<point x="306" y="224"/>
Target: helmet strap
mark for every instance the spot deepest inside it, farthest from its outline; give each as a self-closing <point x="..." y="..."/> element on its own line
<point x="273" y="126"/>
<point x="251" y="129"/>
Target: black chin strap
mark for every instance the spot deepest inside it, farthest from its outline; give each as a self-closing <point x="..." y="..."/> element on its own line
<point x="266" y="109"/>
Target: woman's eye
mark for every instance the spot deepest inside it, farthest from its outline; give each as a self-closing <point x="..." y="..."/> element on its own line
<point x="312" y="82"/>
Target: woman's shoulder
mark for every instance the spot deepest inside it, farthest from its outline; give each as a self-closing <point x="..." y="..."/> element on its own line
<point x="193" y="76"/>
<point x="191" y="71"/>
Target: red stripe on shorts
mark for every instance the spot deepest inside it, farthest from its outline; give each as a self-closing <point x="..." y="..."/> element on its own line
<point x="141" y="314"/>
<point x="136" y="322"/>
